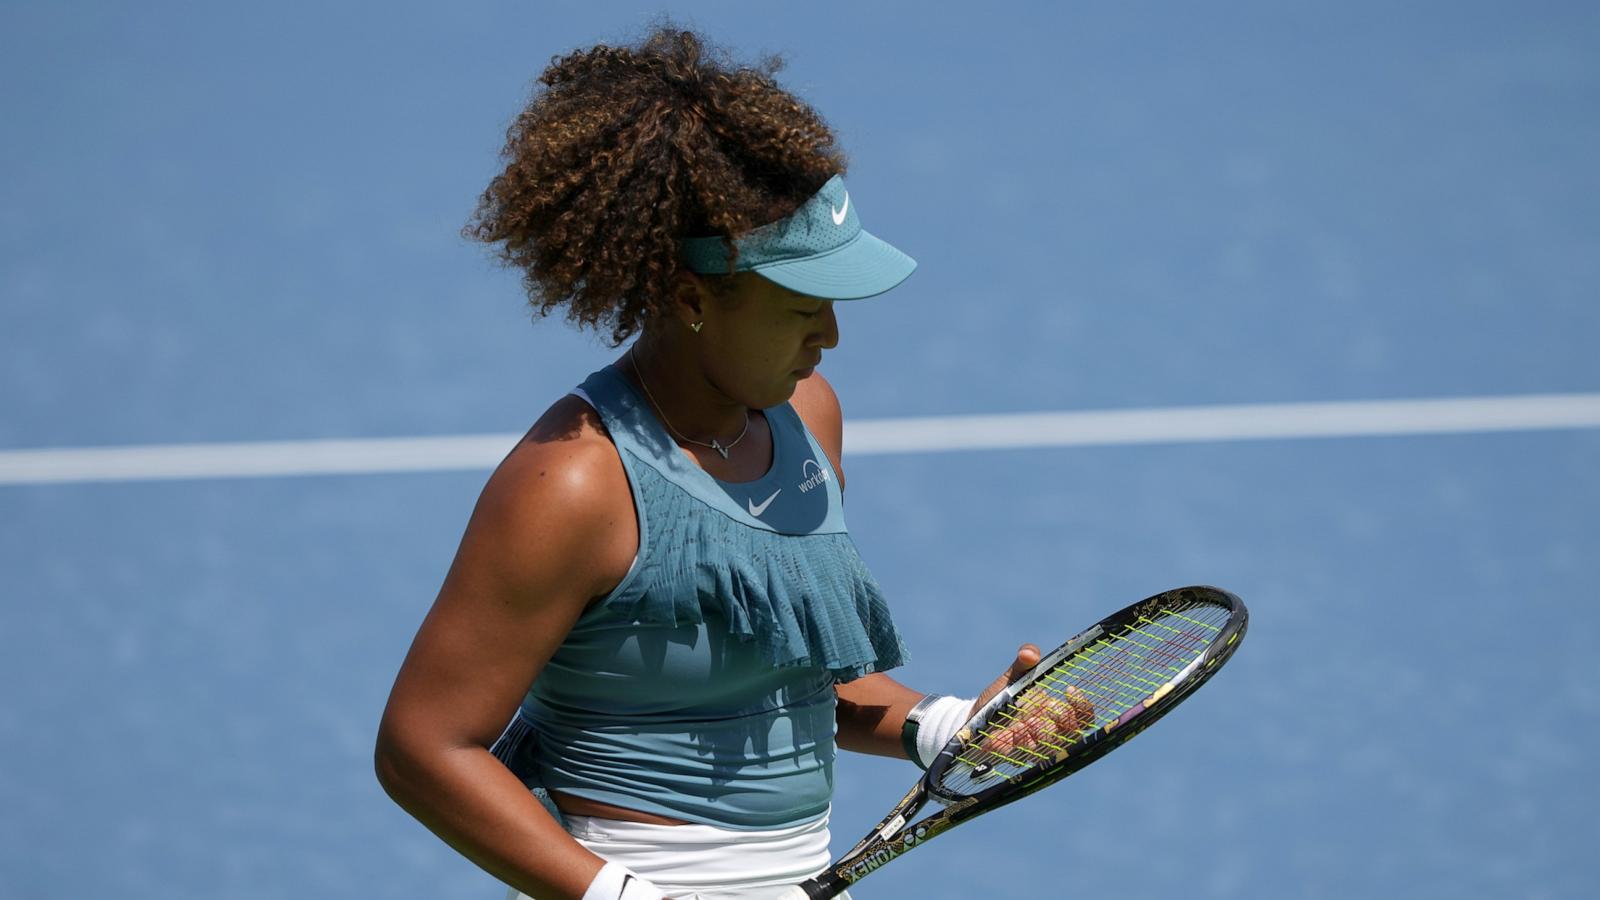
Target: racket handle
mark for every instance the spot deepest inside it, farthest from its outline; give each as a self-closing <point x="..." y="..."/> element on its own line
<point x="811" y="890"/>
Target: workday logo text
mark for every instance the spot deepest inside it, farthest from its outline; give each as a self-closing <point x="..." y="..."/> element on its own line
<point x="812" y="474"/>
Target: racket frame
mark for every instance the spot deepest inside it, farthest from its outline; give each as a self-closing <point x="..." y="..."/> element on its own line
<point x="896" y="833"/>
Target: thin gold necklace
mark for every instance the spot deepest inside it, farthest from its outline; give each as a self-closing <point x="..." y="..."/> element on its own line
<point x="715" y="445"/>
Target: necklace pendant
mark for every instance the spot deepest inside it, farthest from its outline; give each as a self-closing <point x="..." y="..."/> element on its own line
<point x="719" y="448"/>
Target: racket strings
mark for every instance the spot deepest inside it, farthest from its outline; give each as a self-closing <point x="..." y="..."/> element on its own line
<point x="1097" y="687"/>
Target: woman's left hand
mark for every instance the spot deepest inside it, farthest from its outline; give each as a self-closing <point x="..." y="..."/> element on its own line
<point x="1027" y="658"/>
<point x="1048" y="717"/>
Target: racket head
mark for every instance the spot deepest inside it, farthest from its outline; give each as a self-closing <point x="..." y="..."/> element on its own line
<point x="1088" y="696"/>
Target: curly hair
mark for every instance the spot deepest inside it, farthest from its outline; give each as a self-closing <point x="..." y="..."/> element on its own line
<point x="623" y="151"/>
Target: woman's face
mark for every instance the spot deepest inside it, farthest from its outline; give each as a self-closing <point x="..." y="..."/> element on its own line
<point x="760" y="338"/>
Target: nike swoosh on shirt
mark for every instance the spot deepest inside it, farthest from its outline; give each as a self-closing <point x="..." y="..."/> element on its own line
<point x="838" y="214"/>
<point x="758" y="509"/>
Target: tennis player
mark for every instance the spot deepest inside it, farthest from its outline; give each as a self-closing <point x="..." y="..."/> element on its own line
<point x="656" y="588"/>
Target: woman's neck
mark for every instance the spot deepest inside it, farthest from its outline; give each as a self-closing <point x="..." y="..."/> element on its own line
<point x="684" y="398"/>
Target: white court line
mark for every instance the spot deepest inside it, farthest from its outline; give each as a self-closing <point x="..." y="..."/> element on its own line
<point x="931" y="434"/>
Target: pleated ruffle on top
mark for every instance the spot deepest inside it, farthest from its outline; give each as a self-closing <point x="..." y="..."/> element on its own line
<point x="801" y="600"/>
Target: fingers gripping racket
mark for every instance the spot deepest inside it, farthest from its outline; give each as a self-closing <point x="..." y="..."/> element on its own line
<point x="1083" y="700"/>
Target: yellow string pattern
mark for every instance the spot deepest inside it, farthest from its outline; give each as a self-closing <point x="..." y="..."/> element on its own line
<point x="1100" y="686"/>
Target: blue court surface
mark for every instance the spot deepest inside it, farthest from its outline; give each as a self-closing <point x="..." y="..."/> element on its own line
<point x="230" y="223"/>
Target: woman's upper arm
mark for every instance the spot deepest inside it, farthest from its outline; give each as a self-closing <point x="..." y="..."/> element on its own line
<point x="818" y="406"/>
<point x="549" y="532"/>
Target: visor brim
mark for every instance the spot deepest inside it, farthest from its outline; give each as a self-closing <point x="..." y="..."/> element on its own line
<point x="865" y="267"/>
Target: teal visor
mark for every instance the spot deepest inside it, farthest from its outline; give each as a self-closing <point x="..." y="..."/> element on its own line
<point x="820" y="250"/>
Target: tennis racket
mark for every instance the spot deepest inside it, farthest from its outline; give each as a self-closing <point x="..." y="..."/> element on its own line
<point x="1083" y="700"/>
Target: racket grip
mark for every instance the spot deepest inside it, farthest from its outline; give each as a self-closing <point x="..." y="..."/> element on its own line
<point x="811" y="890"/>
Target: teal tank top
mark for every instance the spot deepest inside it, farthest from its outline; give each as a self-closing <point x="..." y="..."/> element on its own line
<point x="701" y="687"/>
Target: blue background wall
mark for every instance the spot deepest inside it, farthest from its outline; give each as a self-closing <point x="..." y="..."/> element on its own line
<point x="238" y="222"/>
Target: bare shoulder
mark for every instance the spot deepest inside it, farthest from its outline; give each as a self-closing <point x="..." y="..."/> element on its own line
<point x="818" y="406"/>
<point x="552" y="530"/>
<point x="562" y="485"/>
<point x="566" y="450"/>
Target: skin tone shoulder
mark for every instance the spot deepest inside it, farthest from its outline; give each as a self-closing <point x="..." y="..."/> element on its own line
<point x="555" y="529"/>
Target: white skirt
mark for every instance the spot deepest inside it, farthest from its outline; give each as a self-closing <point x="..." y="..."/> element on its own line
<point x="704" y="862"/>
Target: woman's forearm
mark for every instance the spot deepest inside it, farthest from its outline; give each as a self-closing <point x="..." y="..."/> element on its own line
<point x="871" y="711"/>
<point x="473" y="803"/>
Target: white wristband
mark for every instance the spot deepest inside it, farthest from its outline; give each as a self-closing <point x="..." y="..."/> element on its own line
<point x="939" y="722"/>
<point x="618" y="882"/>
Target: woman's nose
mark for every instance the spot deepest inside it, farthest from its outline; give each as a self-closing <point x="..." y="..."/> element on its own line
<point x="828" y="336"/>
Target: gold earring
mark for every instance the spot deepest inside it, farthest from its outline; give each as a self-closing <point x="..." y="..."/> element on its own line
<point x="696" y="327"/>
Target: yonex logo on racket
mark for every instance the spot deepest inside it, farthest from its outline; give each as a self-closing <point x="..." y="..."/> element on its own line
<point x="872" y="863"/>
<point x="812" y="475"/>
